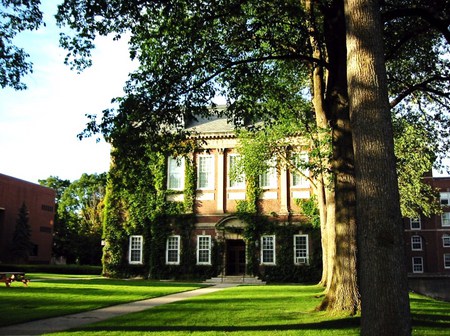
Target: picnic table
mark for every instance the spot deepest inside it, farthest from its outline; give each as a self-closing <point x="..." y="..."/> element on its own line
<point x="8" y="277"/>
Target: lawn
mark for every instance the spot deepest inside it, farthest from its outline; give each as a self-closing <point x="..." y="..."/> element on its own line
<point x="257" y="310"/>
<point x="56" y="295"/>
<point x="246" y="310"/>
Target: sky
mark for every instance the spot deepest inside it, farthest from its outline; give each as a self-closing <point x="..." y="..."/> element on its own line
<point x="39" y="126"/>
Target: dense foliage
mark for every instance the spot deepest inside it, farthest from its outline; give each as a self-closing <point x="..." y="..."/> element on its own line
<point x="22" y="245"/>
<point x="16" y="17"/>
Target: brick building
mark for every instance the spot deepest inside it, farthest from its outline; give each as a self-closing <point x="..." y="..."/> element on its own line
<point x="40" y="202"/>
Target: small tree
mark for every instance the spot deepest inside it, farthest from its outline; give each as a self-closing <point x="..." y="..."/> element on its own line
<point x="21" y="243"/>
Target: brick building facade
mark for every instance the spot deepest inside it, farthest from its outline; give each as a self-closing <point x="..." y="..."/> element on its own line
<point x="40" y="203"/>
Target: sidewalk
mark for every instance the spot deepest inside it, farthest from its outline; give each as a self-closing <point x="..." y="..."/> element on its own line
<point x="76" y="320"/>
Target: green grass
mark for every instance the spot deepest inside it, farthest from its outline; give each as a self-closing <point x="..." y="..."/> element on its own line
<point x="62" y="296"/>
<point x="258" y="310"/>
<point x="246" y="310"/>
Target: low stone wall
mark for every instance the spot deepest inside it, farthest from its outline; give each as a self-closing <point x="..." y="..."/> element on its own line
<point x="435" y="286"/>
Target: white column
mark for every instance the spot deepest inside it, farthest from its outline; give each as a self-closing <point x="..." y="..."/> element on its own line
<point x="284" y="190"/>
<point x="220" y="170"/>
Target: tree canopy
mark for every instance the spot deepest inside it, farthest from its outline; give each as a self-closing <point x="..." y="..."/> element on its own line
<point x="16" y="17"/>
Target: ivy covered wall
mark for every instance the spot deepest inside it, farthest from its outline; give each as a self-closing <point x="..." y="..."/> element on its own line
<point x="136" y="204"/>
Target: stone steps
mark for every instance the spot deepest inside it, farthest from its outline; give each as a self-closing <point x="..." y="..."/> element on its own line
<point x="236" y="279"/>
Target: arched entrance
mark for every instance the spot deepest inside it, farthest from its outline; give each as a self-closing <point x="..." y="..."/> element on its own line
<point x="234" y="257"/>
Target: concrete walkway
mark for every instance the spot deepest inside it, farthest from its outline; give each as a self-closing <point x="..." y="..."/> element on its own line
<point x="76" y="320"/>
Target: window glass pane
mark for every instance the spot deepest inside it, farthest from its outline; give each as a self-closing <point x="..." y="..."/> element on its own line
<point x="445" y="198"/>
<point x="268" y="249"/>
<point x="204" y="249"/>
<point x="135" y="250"/>
<point x="417" y="265"/>
<point x="447" y="260"/>
<point x="446" y="219"/>
<point x="415" y="223"/>
<point x="236" y="180"/>
<point x="173" y="250"/>
<point x="300" y="180"/>
<point x="205" y="172"/>
<point x="175" y="173"/>
<point x="446" y="240"/>
<point x="416" y="243"/>
<point x="301" y="249"/>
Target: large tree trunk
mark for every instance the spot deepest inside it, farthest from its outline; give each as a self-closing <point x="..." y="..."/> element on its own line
<point x="343" y="292"/>
<point x="382" y="274"/>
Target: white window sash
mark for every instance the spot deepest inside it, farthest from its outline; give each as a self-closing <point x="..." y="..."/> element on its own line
<point x="415" y="223"/>
<point x="269" y="179"/>
<point x="135" y="245"/>
<point x="173" y="245"/>
<point x="446" y="240"/>
<point x="268" y="249"/>
<point x="238" y="182"/>
<point x="445" y="198"/>
<point x="175" y="173"/>
<point x="445" y="219"/>
<point x="447" y="260"/>
<point x="203" y="246"/>
<point x="416" y="243"/>
<point x="417" y="265"/>
<point x="301" y="253"/>
<point x="300" y="180"/>
<point x="205" y="172"/>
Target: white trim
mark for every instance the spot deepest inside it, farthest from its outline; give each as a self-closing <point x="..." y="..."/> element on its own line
<point x="445" y="237"/>
<point x="303" y="257"/>
<point x="419" y="242"/>
<point x="177" y="249"/>
<point x="236" y="184"/>
<point x="271" y="176"/>
<point x="445" y="198"/>
<point x="445" y="219"/>
<point x="204" y="249"/>
<point x="303" y="182"/>
<point x="210" y="172"/>
<point x="273" y="249"/>
<point x="447" y="264"/>
<point x="415" y="221"/>
<point x="175" y="168"/>
<point x="135" y="243"/>
<point x="419" y="265"/>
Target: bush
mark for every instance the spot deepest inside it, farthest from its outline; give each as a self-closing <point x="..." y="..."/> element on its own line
<point x="57" y="269"/>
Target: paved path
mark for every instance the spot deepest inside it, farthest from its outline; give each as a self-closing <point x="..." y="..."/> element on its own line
<point x="76" y="320"/>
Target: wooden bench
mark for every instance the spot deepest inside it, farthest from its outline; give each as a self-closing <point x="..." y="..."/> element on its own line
<point x="8" y="277"/>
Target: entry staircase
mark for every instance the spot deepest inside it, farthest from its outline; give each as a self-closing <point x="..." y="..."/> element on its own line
<point x="236" y="279"/>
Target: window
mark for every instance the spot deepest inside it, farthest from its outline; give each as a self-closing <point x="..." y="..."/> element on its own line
<point x="175" y="174"/>
<point x="173" y="250"/>
<point x="445" y="219"/>
<point x="417" y="264"/>
<point x="301" y="249"/>
<point x="445" y="198"/>
<point x="300" y="180"/>
<point x="415" y="223"/>
<point x="204" y="250"/>
<point x="205" y="172"/>
<point x="446" y="240"/>
<point x="447" y="260"/>
<point x="416" y="243"/>
<point x="135" y="250"/>
<point x="268" y="179"/>
<point x="236" y="179"/>
<point x="268" y="250"/>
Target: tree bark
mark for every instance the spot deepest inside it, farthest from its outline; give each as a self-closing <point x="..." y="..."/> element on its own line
<point x="381" y="271"/>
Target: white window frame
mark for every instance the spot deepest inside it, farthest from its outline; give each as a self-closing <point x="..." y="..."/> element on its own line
<point x="175" y="172"/>
<point x="239" y="181"/>
<point x="203" y="245"/>
<point x="445" y="198"/>
<point x="446" y="240"/>
<point x="416" y="243"/>
<point x="417" y="267"/>
<point x="415" y="223"/>
<point x="299" y="180"/>
<point x="447" y="260"/>
<point x="265" y="248"/>
<point x="301" y="254"/>
<point x="269" y="179"/>
<point x="136" y="243"/>
<point x="173" y="244"/>
<point x="209" y="172"/>
<point x="445" y="219"/>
